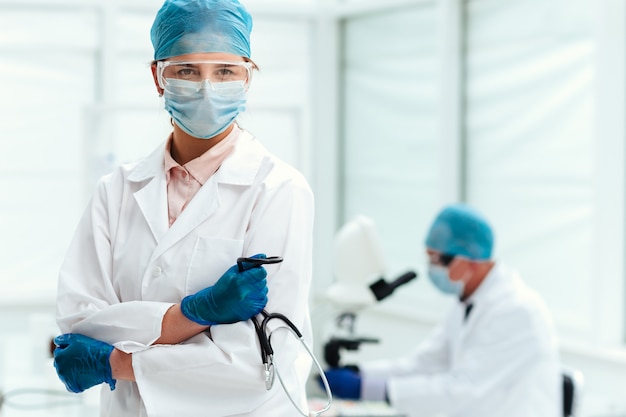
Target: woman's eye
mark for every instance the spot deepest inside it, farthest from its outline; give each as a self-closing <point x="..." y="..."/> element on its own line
<point x="222" y="74"/>
<point x="186" y="72"/>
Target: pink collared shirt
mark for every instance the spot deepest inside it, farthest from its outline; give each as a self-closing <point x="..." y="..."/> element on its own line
<point x="183" y="182"/>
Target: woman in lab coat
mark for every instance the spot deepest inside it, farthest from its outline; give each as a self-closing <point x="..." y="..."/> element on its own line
<point x="495" y="354"/>
<point x="170" y="225"/>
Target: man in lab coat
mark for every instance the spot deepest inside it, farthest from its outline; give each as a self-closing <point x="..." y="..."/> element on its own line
<point x="494" y="355"/>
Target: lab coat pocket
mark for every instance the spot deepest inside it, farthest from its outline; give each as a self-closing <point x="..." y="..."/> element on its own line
<point x="211" y="257"/>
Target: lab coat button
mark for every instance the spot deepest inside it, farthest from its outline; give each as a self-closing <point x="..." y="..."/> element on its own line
<point x="157" y="271"/>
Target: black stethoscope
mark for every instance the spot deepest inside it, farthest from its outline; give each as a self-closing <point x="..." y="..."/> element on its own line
<point x="265" y="337"/>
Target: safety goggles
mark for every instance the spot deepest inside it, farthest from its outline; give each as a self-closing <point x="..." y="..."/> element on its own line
<point x="185" y="78"/>
<point x="443" y="259"/>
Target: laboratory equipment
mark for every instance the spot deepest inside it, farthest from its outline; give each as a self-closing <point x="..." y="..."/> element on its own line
<point x="359" y="269"/>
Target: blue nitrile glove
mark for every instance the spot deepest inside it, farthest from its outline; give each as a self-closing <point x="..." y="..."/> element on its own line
<point x="236" y="296"/>
<point x="343" y="382"/>
<point x="82" y="362"/>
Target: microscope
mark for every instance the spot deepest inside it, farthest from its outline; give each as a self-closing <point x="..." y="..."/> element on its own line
<point x="359" y="270"/>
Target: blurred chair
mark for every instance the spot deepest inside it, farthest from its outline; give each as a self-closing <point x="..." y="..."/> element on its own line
<point x="572" y="390"/>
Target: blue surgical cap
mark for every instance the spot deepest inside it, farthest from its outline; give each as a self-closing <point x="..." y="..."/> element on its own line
<point x="460" y="229"/>
<point x="196" y="26"/>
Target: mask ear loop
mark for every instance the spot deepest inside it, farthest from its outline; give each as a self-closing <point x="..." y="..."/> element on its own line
<point x="463" y="278"/>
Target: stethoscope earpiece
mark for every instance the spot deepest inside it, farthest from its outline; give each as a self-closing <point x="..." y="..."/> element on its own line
<point x="257" y="261"/>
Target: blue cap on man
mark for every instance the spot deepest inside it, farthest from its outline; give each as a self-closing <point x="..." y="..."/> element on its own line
<point x="460" y="229"/>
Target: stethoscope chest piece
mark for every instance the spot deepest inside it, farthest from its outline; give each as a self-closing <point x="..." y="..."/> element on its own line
<point x="270" y="373"/>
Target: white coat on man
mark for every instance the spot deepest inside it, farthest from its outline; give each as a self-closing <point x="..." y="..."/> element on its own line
<point x="125" y="268"/>
<point x="502" y="360"/>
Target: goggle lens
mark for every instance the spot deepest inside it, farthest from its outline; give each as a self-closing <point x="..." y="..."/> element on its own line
<point x="188" y="77"/>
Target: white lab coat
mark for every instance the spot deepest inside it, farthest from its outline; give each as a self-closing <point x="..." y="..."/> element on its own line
<point x="500" y="362"/>
<point x="125" y="267"/>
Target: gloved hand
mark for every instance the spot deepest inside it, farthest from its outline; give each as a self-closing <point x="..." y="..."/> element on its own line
<point x="236" y="296"/>
<point x="82" y="362"/>
<point x="343" y="382"/>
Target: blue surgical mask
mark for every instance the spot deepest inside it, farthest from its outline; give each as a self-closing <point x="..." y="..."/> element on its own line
<point x="440" y="278"/>
<point x="204" y="113"/>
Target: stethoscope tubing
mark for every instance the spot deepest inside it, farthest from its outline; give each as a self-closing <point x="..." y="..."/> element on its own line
<point x="261" y="330"/>
<point x="267" y="352"/>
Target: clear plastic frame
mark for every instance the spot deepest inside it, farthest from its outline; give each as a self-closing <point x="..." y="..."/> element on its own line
<point x="185" y="78"/>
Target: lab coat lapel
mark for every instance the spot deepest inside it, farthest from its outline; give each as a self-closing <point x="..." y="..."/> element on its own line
<point x="153" y="204"/>
<point x="456" y="330"/>
<point x="200" y="208"/>
<point x="466" y="323"/>
<point x="152" y="197"/>
<point x="478" y="300"/>
<point x="240" y="169"/>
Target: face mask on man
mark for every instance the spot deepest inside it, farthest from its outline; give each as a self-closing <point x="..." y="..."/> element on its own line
<point x="205" y="114"/>
<point x="440" y="277"/>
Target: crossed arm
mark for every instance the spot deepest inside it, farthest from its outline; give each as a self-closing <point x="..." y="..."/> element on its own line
<point x="82" y="362"/>
<point x="175" y="328"/>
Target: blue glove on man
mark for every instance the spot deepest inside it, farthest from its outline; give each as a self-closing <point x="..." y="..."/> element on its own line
<point x="236" y="296"/>
<point x="344" y="382"/>
<point x="82" y="362"/>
